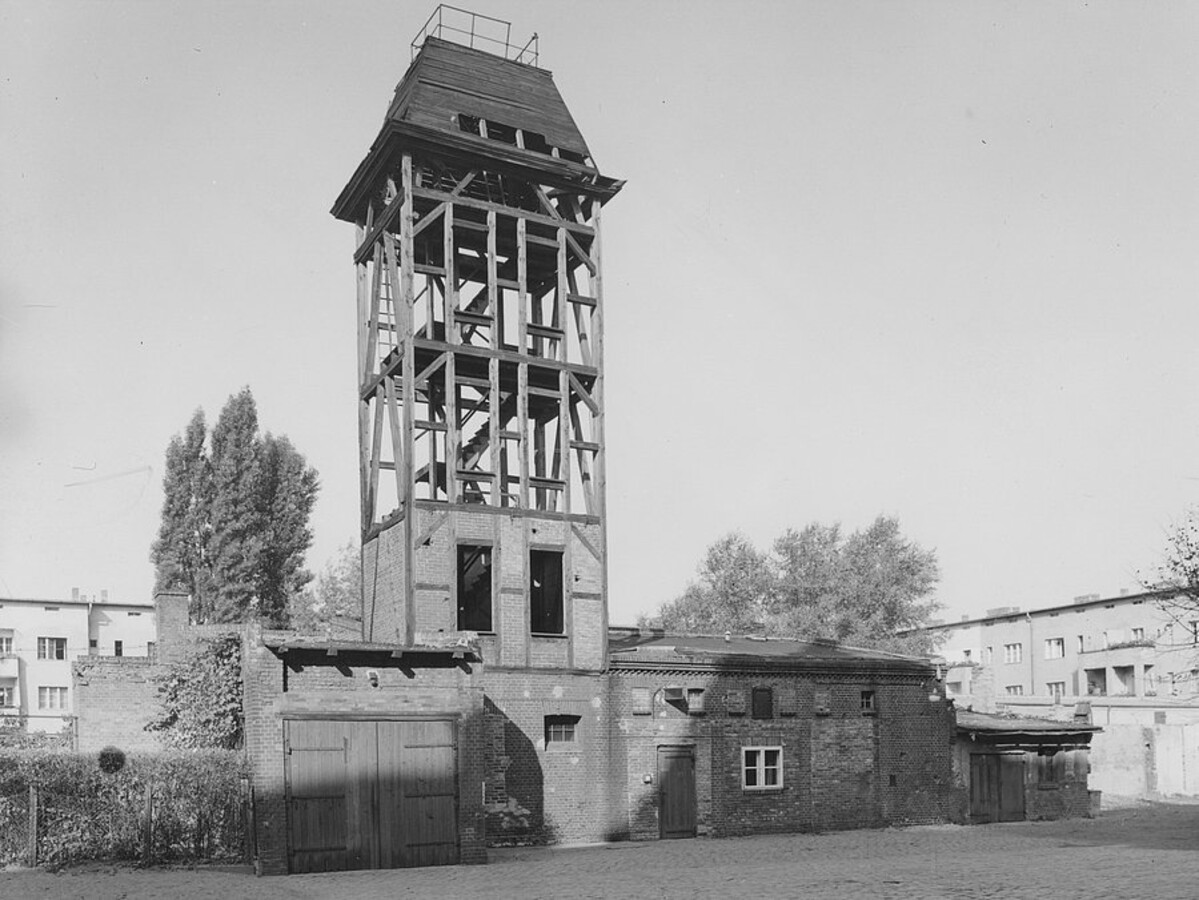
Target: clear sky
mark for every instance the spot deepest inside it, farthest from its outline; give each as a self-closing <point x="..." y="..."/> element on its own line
<point x="930" y="259"/>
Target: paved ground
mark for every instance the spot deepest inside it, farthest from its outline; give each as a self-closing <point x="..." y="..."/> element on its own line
<point x="1141" y="851"/>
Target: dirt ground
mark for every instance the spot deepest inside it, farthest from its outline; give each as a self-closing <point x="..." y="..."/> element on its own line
<point x="1142" y="850"/>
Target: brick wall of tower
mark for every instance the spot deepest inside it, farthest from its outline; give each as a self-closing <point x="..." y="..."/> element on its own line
<point x="539" y="794"/>
<point x="383" y="586"/>
<point x="510" y="643"/>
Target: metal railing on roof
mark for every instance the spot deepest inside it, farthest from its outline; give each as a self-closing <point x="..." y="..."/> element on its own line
<point x="475" y="30"/>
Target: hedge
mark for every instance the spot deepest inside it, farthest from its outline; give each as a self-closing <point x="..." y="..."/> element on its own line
<point x="197" y="804"/>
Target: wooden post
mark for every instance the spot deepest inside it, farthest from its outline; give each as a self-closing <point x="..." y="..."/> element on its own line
<point x="148" y="825"/>
<point x="32" y="826"/>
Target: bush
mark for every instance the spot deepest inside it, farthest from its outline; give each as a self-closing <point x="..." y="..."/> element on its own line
<point x="85" y="813"/>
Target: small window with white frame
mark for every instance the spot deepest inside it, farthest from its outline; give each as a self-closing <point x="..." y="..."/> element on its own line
<point x="51" y="648"/>
<point x="6" y="697"/>
<point x="868" y="703"/>
<point x="1138" y="634"/>
<point x="1014" y="690"/>
<point x="1056" y="690"/>
<point x="1055" y="648"/>
<point x="762" y="768"/>
<point x="561" y="730"/>
<point x="1013" y="653"/>
<point x="5" y="643"/>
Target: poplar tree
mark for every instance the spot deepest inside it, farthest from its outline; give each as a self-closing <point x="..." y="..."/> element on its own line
<point x="179" y="553"/>
<point x="235" y="518"/>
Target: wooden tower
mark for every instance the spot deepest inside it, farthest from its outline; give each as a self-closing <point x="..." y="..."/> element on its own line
<point x="480" y="362"/>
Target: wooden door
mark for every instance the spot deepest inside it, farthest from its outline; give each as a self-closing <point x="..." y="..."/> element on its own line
<point x="1011" y="787"/>
<point x="318" y="803"/>
<point x="418" y="823"/>
<point x="676" y="788"/>
<point x="984" y="787"/>
<point x="370" y="795"/>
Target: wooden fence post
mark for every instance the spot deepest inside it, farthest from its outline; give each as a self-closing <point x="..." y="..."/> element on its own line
<point x="148" y="825"/>
<point x="32" y="826"/>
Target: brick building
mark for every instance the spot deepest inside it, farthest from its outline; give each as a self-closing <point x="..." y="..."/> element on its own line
<point x="487" y="700"/>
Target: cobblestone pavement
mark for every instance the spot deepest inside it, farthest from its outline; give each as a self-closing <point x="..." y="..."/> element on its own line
<point x="1143" y="851"/>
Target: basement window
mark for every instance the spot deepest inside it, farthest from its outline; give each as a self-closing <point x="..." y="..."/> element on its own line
<point x="474" y="587"/>
<point x="545" y="592"/>
<point x="561" y="730"/>
<point x="762" y="768"/>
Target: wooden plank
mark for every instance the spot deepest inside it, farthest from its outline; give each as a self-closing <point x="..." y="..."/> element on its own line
<point x="475" y="203"/>
<point x="373" y="315"/>
<point x="522" y="367"/>
<point x="408" y="387"/>
<point x="397" y="440"/>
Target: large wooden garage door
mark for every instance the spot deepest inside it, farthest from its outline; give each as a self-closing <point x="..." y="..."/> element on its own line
<point x="370" y="795"/>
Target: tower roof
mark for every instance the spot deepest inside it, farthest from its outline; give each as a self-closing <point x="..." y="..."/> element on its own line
<point x="448" y="80"/>
<point x="464" y="102"/>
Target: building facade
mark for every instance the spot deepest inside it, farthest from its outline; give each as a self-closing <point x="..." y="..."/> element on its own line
<point x="1126" y="646"/>
<point x="1131" y="662"/>
<point x="41" y="639"/>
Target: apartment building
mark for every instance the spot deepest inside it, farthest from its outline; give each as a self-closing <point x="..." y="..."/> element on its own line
<point x="1125" y="646"/>
<point x="40" y="639"/>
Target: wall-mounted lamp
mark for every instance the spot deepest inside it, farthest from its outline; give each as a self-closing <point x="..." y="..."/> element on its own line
<point x="373" y="677"/>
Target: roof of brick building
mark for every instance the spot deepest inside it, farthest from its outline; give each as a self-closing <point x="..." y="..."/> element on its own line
<point x="656" y="647"/>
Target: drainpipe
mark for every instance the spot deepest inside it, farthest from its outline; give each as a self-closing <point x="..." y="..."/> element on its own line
<point x="1032" y="656"/>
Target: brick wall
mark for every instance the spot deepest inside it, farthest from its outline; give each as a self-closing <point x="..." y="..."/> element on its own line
<point x="841" y="769"/>
<point x="383" y="585"/>
<point x="314" y="685"/>
<point x="538" y="794"/>
<point x="115" y="698"/>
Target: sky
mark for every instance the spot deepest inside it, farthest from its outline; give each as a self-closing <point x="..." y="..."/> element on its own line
<point x="924" y="259"/>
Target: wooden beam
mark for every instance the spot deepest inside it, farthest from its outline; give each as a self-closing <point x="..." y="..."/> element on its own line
<point x="488" y="206"/>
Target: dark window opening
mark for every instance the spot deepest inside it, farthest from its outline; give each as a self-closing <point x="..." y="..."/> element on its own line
<point x="545" y="592"/>
<point x="118" y="648"/>
<point x="469" y="124"/>
<point x="572" y="156"/>
<point x="497" y="131"/>
<point x="868" y="705"/>
<point x="474" y="588"/>
<point x="561" y="730"/>
<point x="537" y="143"/>
<point x="763" y="703"/>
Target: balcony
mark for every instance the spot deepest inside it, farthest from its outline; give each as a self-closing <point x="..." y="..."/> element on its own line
<point x="9" y="666"/>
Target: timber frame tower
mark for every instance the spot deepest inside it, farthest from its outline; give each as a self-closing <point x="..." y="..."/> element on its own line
<point x="480" y="365"/>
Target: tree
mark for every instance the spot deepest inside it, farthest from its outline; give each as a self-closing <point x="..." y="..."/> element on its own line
<point x="179" y="553"/>
<point x="235" y="518"/>
<point x="731" y="594"/>
<point x="286" y="492"/>
<point x="1177" y="581"/>
<point x="332" y="603"/>
<point x="860" y="590"/>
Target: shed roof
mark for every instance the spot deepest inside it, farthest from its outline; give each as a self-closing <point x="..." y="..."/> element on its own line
<point x="991" y="723"/>
<point x="658" y="648"/>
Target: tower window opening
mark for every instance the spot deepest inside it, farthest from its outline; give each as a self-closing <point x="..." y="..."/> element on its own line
<point x="474" y="588"/>
<point x="545" y="592"/>
<point x="469" y="124"/>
